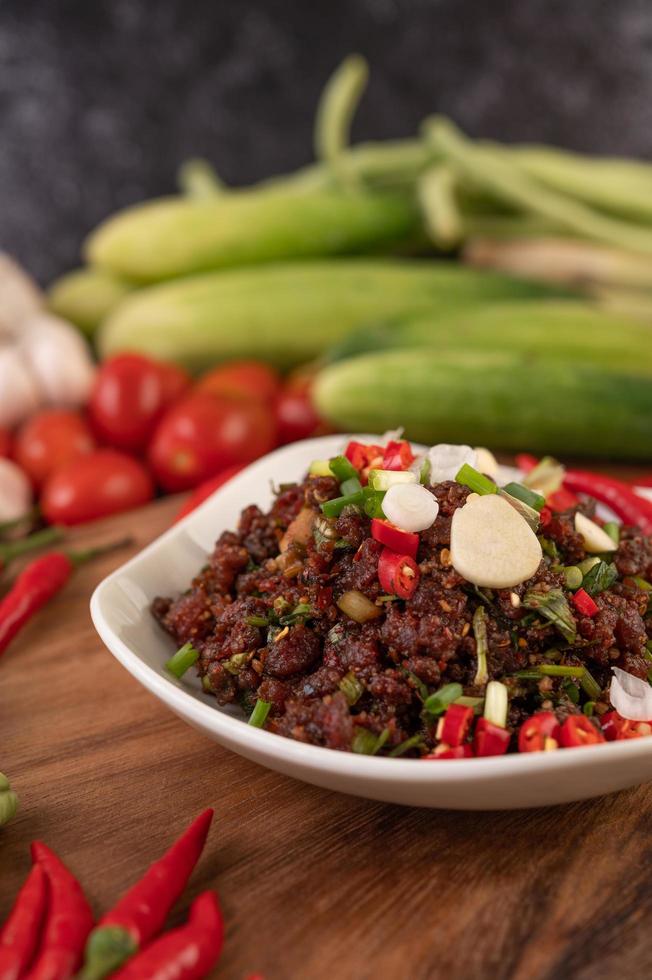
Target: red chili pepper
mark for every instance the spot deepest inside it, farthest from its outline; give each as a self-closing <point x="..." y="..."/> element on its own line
<point x="444" y="751"/>
<point x="403" y="542"/>
<point x="68" y="922"/>
<point x="584" y="603"/>
<point x="545" y="516"/>
<point x="21" y="932"/>
<point x="562" y="499"/>
<point x="526" y="462"/>
<point x="362" y="456"/>
<point x="578" y="730"/>
<point x="490" y="739"/>
<point x="187" y="953"/>
<point x="39" y="582"/>
<point x="142" y="911"/>
<point x="455" y="725"/>
<point x="539" y="733"/>
<point x="398" y="455"/>
<point x="398" y="574"/>
<point x="205" y="490"/>
<point x="615" y="728"/>
<point x="622" y="500"/>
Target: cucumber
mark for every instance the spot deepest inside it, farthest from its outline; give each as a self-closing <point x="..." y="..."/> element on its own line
<point x="495" y="399"/>
<point x="559" y="329"/>
<point x="292" y="312"/>
<point x="182" y="236"/>
<point x="85" y="297"/>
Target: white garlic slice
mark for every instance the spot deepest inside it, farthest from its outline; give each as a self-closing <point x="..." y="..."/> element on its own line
<point x="595" y="540"/>
<point x="491" y="544"/>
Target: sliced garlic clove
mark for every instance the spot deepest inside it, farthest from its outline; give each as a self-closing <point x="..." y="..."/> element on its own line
<point x="19" y="390"/>
<point x="491" y="544"/>
<point x="20" y="297"/>
<point x="59" y="358"/>
<point x="486" y="462"/>
<point x="594" y="538"/>
<point x="15" y="491"/>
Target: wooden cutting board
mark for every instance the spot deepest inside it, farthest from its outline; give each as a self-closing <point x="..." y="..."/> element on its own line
<point x="314" y="885"/>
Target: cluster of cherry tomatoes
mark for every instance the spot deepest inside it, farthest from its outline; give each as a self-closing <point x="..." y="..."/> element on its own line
<point x="148" y="425"/>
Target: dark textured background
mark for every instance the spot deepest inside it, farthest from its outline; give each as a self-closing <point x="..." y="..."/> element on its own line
<point x="100" y="100"/>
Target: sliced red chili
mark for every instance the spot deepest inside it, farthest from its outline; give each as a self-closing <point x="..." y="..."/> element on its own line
<point x="362" y="455"/>
<point x="455" y="725"/>
<point x="539" y="733"/>
<point x="584" y="603"/>
<point x="545" y="516"/>
<point x="561" y="499"/>
<point x="398" y="574"/>
<point x="490" y="739"/>
<point x="444" y="751"/>
<point x="615" y="728"/>
<point x="398" y="455"/>
<point x="403" y="542"/>
<point x="578" y="730"/>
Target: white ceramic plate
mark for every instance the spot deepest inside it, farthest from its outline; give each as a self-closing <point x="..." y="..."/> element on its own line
<point x="120" y="611"/>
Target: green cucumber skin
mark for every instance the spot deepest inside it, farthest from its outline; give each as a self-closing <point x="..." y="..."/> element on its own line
<point x="559" y="329"/>
<point x="174" y="237"/>
<point x="494" y="399"/>
<point x="290" y="313"/>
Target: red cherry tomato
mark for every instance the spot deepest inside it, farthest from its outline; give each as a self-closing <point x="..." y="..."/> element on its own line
<point x="50" y="440"/>
<point x="539" y="733"/>
<point x="204" y="434"/>
<point x="296" y="415"/>
<point x="242" y="379"/>
<point x="5" y="443"/>
<point x="129" y="397"/>
<point x="103" y="482"/>
<point x="205" y="490"/>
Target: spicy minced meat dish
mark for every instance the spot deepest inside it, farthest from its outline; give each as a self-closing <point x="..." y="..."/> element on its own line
<point x="380" y="606"/>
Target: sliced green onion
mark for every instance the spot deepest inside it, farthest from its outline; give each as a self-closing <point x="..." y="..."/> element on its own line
<point x="410" y="743"/>
<point x="496" y="703"/>
<point x="553" y="606"/>
<point x="351" y="688"/>
<point x="590" y="686"/>
<point x="236" y="662"/>
<point x="589" y="709"/>
<point x="478" y="482"/>
<point x="182" y="660"/>
<point x="547" y="476"/>
<point x="642" y="583"/>
<point x="256" y="620"/>
<point x="333" y="508"/>
<point x="481" y="646"/>
<point x="320" y="467"/>
<point x="206" y="683"/>
<point x="342" y="469"/>
<point x="468" y="702"/>
<point x="384" y="479"/>
<point x="527" y="496"/>
<point x="373" y="504"/>
<point x="366" y="743"/>
<point x="303" y="610"/>
<point x="573" y="576"/>
<point x="612" y="528"/>
<point x="588" y="563"/>
<point x="258" y="716"/>
<point x="358" y="607"/>
<point x="549" y="548"/>
<point x="571" y="691"/>
<point x="561" y="670"/>
<point x="437" y="703"/>
<point x="352" y="485"/>
<point x="424" y="472"/>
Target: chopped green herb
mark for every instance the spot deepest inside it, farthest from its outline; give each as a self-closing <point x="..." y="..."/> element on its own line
<point x="236" y="662"/>
<point x="590" y="686"/>
<point x="525" y="495"/>
<point x="469" y="477"/>
<point x="549" y="548"/>
<point x="553" y="606"/>
<point x="410" y="743"/>
<point x="642" y="583"/>
<point x="257" y="621"/>
<point x="588" y="563"/>
<point x="366" y="743"/>
<point x="437" y="703"/>
<point x="571" y="691"/>
<point x="589" y="709"/>
<point x="419" y="686"/>
<point x="182" y="660"/>
<point x="351" y="688"/>
<point x="299" y="614"/>
<point x="258" y="716"/>
<point x="481" y="645"/>
<point x="600" y="577"/>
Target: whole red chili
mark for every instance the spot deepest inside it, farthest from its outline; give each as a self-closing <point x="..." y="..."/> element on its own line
<point x="21" y="932"/>
<point x="36" y="585"/>
<point x="578" y="730"/>
<point x="141" y="912"/>
<point x="68" y="922"/>
<point x="187" y="953"/>
<point x="490" y="739"/>
<point x="455" y="725"/>
<point x="398" y="574"/>
<point x="540" y="733"/>
<point x="622" y="500"/>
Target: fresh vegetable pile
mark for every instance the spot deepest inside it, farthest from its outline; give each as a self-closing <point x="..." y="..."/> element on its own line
<point x="399" y="605"/>
<point x="50" y="933"/>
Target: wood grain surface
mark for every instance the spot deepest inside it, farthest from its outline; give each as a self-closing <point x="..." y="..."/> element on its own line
<point x="314" y="885"/>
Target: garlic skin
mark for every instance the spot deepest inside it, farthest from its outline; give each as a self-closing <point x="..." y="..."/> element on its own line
<point x="58" y="359"/>
<point x="15" y="492"/>
<point x="492" y="545"/>
<point x="20" y="396"/>
<point x="20" y="297"/>
<point x="446" y="460"/>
